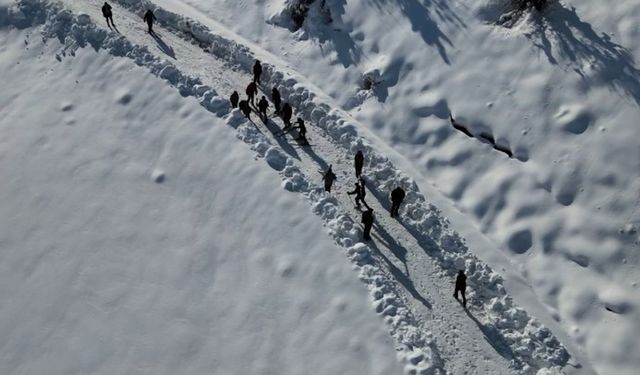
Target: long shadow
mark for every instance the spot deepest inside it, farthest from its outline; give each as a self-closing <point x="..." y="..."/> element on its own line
<point x="403" y="279"/>
<point x="560" y="31"/>
<point x="421" y="21"/>
<point x="346" y="49"/>
<point x="398" y="250"/>
<point x="494" y="338"/>
<point x="282" y="141"/>
<point x="316" y="158"/>
<point x="428" y="245"/>
<point x="164" y="47"/>
<point x="422" y="14"/>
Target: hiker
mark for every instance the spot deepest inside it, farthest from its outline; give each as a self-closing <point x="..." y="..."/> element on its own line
<point x="257" y="71"/>
<point x="244" y="107"/>
<point x="367" y="220"/>
<point x="358" y="162"/>
<point x="106" y="12"/>
<point x="360" y="193"/>
<point x="252" y="91"/>
<point x="149" y="17"/>
<point x="302" y="129"/>
<point x="287" y="112"/>
<point x="397" y="196"/>
<point x="328" y="179"/>
<point x="263" y="104"/>
<point x="234" y="99"/>
<point x="275" y="98"/>
<point x="461" y="286"/>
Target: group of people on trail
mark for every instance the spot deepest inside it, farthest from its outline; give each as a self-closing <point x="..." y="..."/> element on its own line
<point x="281" y="109"/>
<point x="148" y="17"/>
<point x="397" y="197"/>
<point x="286" y="112"/>
<point x="360" y="192"/>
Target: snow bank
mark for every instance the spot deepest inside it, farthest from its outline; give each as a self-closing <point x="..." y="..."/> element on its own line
<point x="139" y="236"/>
<point x="535" y="348"/>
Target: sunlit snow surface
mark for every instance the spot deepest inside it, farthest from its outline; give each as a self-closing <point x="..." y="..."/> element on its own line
<point x="108" y="268"/>
<point x="160" y="207"/>
<point x="562" y="91"/>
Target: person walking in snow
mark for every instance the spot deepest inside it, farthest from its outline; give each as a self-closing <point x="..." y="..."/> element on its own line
<point x="106" y="12"/>
<point x="302" y="129"/>
<point x="461" y="286"/>
<point x="328" y="179"/>
<point x="244" y="107"/>
<point x="263" y="104"/>
<point x="234" y="99"/>
<point x="397" y="196"/>
<point x="360" y="193"/>
<point x="257" y="72"/>
<point x="367" y="221"/>
<point x="276" y="99"/>
<point x="287" y="112"/>
<point x="252" y="91"/>
<point x="149" y="17"/>
<point x="358" y="161"/>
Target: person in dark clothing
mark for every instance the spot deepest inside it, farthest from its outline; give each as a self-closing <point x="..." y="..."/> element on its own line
<point x="257" y="71"/>
<point x="461" y="286"/>
<point x="367" y="220"/>
<point x="252" y="91"/>
<point x="149" y="17"/>
<point x="263" y="104"/>
<point x="302" y="129"/>
<point x="106" y="12"/>
<point x="358" y="162"/>
<point x="244" y="107"/>
<point x="360" y="193"/>
<point x="397" y="196"/>
<point x="287" y="112"/>
<point x="234" y="99"/>
<point x="328" y="178"/>
<point x="276" y="99"/>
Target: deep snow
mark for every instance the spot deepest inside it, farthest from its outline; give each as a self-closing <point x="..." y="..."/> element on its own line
<point x="583" y="315"/>
<point x="560" y="89"/>
<point x="106" y="269"/>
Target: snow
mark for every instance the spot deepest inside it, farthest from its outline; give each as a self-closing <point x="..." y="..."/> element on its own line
<point x="135" y="237"/>
<point x="560" y="90"/>
<point x="548" y="238"/>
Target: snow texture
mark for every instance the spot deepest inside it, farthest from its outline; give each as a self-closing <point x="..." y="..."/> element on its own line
<point x="519" y="339"/>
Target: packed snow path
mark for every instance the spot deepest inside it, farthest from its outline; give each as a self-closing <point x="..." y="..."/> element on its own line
<point x="406" y="267"/>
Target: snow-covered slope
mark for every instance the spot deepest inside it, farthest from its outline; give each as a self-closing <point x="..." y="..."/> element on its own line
<point x="409" y="266"/>
<point x="138" y="235"/>
<point x="561" y="90"/>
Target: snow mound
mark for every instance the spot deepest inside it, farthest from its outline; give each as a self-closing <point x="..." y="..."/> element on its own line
<point x="533" y="346"/>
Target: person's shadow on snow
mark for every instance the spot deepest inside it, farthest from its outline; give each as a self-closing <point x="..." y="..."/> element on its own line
<point x="164" y="47"/>
<point x="403" y="277"/>
<point x="494" y="338"/>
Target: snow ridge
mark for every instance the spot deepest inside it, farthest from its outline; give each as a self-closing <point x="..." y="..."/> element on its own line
<point x="534" y="347"/>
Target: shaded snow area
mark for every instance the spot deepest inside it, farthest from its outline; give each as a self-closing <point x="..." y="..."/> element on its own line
<point x="148" y="227"/>
<point x="139" y="235"/>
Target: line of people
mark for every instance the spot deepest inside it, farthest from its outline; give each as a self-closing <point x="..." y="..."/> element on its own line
<point x="284" y="110"/>
<point x="397" y="197"/>
<point x="329" y="177"/>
